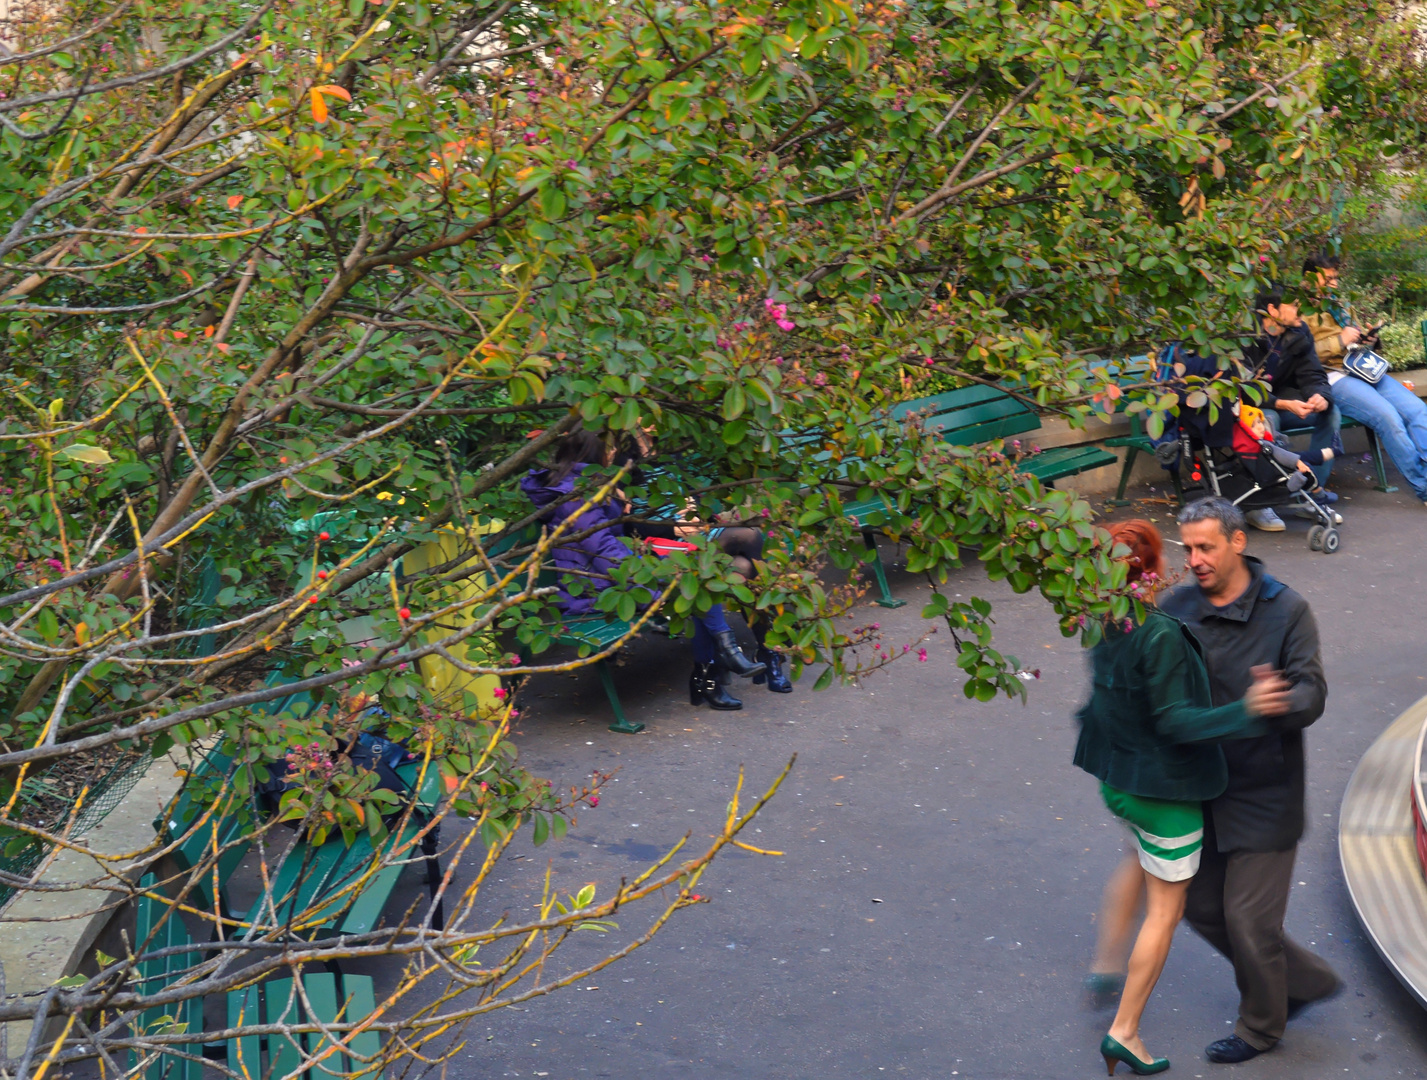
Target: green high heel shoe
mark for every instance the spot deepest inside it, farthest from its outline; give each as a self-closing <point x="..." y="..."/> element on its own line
<point x="1113" y="1053"/>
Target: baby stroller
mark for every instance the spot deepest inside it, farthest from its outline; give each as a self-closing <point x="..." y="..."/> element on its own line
<point x="1236" y="457"/>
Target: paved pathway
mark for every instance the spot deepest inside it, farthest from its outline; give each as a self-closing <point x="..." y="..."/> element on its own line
<point x="985" y="847"/>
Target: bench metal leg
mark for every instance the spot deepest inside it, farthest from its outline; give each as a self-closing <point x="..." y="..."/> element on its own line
<point x="1376" y="447"/>
<point x="429" y="848"/>
<point x="622" y="724"/>
<point x="1131" y="453"/>
<point x="887" y="600"/>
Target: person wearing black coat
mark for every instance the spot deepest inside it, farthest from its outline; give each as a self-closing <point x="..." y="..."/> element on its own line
<point x="1285" y="357"/>
<point x="1244" y="617"/>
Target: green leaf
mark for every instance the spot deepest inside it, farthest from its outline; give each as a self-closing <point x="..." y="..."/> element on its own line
<point x="733" y="402"/>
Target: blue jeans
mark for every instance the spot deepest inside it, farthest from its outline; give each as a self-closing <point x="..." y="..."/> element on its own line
<point x="1399" y="418"/>
<point x="705" y="627"/>
<point x="1325" y="426"/>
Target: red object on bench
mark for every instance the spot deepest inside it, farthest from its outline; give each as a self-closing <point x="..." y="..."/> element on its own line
<point x="663" y="547"/>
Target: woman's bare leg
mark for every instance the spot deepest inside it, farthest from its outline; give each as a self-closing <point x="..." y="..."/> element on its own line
<point x="1164" y="906"/>
<point x="1119" y="908"/>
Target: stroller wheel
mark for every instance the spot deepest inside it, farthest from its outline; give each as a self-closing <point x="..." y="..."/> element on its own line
<point x="1315" y="538"/>
<point x="1331" y="541"/>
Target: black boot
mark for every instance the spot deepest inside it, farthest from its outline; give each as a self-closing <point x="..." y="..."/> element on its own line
<point x="704" y="688"/>
<point x="731" y="656"/>
<point x="776" y="677"/>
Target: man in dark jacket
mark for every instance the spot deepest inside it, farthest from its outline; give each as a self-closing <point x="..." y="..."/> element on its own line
<point x="1243" y="617"/>
<point x="1284" y="356"/>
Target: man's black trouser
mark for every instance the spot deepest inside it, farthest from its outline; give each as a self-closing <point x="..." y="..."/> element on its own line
<point x="1236" y="903"/>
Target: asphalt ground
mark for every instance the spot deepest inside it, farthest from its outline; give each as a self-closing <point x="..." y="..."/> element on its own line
<point x="933" y="912"/>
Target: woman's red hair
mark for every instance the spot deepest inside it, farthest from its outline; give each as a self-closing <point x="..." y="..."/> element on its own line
<point x="1146" y="548"/>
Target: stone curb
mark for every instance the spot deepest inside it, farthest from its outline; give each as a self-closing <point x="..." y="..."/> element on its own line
<point x="35" y="955"/>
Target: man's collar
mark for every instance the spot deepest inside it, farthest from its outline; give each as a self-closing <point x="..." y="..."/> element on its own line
<point x="1243" y="607"/>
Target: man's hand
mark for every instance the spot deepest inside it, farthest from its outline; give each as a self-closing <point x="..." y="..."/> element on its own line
<point x="1299" y="409"/>
<point x="1351" y="335"/>
<point x="1318" y="403"/>
<point x="1268" y="696"/>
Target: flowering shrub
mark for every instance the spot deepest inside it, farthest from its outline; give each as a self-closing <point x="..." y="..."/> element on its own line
<point x="291" y="290"/>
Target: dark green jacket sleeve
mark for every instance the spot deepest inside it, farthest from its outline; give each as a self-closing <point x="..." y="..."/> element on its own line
<point x="1177" y="688"/>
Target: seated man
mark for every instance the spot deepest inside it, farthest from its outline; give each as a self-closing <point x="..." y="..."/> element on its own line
<point x="1284" y="357"/>
<point x="1394" y="412"/>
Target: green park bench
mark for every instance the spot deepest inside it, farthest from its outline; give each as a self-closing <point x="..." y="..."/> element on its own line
<point x="309" y="872"/>
<point x="152" y="933"/>
<point x="966" y="417"/>
<point x="335" y="998"/>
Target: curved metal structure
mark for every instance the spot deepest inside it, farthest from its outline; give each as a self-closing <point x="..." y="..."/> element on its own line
<point x="1382" y="841"/>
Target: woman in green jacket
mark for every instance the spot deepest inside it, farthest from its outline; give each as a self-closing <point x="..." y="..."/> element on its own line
<point x="1150" y="735"/>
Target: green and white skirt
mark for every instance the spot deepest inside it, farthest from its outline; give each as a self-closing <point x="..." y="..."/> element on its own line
<point x="1169" y="835"/>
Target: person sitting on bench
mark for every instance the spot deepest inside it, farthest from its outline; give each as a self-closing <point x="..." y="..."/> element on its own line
<point x="742" y="543"/>
<point x="590" y="558"/>
<point x="1284" y="357"/>
<point x="1393" y="411"/>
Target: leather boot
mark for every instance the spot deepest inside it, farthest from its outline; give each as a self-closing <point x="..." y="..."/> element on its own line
<point x="731" y="656"/>
<point x="776" y="677"/>
<point x="704" y="688"/>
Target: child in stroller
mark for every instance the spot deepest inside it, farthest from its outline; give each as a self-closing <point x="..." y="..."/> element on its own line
<point x="1276" y="475"/>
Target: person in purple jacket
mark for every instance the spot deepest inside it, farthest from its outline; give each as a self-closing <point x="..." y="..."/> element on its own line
<point x="592" y="556"/>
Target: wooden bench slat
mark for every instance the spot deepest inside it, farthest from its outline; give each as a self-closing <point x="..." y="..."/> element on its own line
<point x="321" y="988"/>
<point x="245" y="1054"/>
<point x="283" y="1007"/>
<point x="360" y="1003"/>
<point x="1055" y="464"/>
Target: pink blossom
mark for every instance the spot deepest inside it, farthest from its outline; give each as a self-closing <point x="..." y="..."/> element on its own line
<point x="921" y="656"/>
<point x="1076" y="169"/>
<point x="498" y="692"/>
<point x="786" y="324"/>
<point x="54" y="564"/>
<point x="1263" y="258"/>
<point x="875" y="298"/>
<point x="594" y="800"/>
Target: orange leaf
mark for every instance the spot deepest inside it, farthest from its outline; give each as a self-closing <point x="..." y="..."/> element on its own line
<point x="319" y="105"/>
<point x="222" y="346"/>
<point x="179" y="335"/>
<point x="208" y="330"/>
<point x="234" y="201"/>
